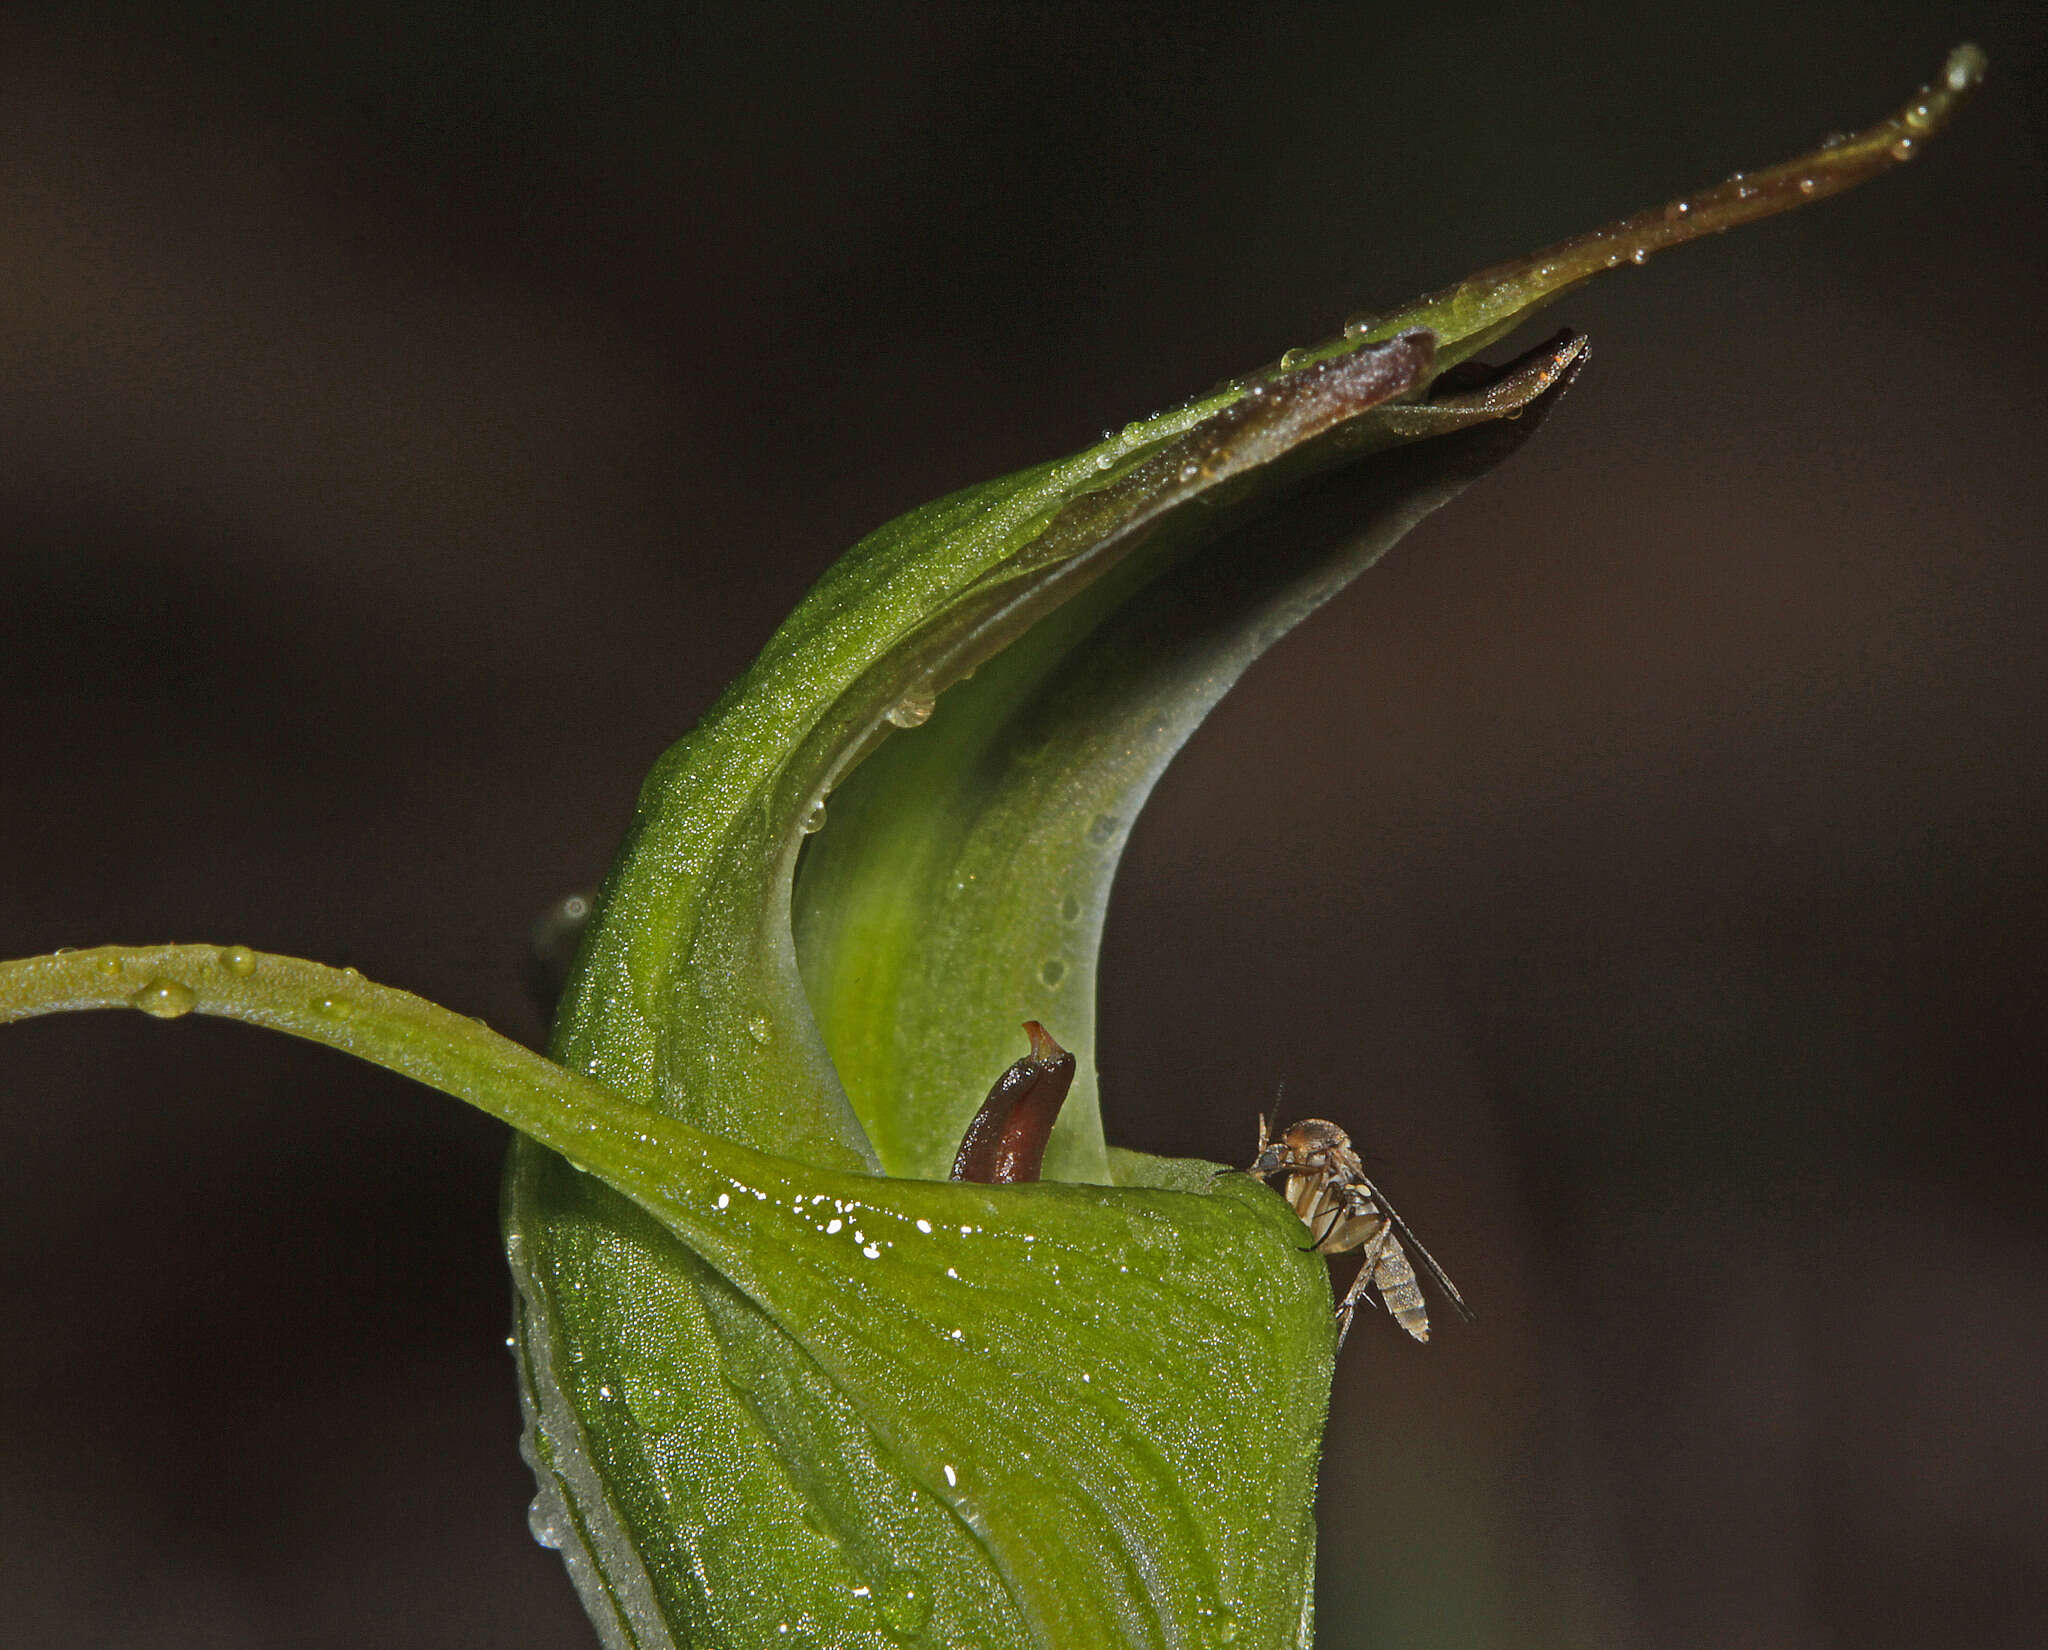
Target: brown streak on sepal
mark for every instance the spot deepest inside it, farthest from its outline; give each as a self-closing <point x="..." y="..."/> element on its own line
<point x="1282" y="413"/>
<point x="1005" y="1143"/>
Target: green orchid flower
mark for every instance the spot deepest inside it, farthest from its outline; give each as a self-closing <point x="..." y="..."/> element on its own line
<point x="787" y="1383"/>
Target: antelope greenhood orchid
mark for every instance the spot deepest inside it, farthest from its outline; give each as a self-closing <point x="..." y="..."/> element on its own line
<point x="785" y="1383"/>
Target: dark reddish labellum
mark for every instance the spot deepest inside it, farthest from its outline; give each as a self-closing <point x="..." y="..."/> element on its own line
<point x="1005" y="1144"/>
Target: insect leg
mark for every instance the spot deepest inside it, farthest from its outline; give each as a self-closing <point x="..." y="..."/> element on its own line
<point x="1361" y="1284"/>
<point x="1329" y="1226"/>
<point x="1258" y="1167"/>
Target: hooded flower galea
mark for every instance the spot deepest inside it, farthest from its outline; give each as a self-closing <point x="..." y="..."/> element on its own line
<point x="786" y="1382"/>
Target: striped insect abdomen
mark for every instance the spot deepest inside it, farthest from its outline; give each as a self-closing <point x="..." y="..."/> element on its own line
<point x="1394" y="1277"/>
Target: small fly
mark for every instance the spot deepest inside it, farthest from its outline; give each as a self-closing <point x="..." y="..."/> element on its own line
<point x="1327" y="1187"/>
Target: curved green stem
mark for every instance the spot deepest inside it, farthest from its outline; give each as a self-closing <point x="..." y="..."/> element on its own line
<point x="337" y="1006"/>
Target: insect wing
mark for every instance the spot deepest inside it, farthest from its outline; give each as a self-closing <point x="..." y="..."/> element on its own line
<point x="1427" y="1262"/>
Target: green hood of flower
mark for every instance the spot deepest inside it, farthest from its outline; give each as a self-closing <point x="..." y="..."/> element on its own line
<point x="785" y="1383"/>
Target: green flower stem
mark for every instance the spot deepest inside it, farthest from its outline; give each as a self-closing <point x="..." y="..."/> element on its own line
<point x="652" y="1157"/>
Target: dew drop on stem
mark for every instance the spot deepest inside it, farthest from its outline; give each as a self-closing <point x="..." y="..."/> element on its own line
<point x="164" y="1000"/>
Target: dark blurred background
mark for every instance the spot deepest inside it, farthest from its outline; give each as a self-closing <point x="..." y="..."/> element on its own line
<point x="412" y="414"/>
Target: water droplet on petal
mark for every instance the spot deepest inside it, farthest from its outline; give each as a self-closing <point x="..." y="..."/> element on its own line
<point x="164" y="1000"/>
<point x="904" y="1604"/>
<point x="541" y="1520"/>
<point x="238" y="959"/>
<point x="913" y="710"/>
<point x="1640" y="256"/>
<point x="1676" y="210"/>
<point x="1806" y="186"/>
<point x="1293" y="358"/>
<point x="1052" y="971"/>
<point x="758" y="1029"/>
<point x="655" y="1406"/>
<point x="1903" y="149"/>
<point x="813" y="820"/>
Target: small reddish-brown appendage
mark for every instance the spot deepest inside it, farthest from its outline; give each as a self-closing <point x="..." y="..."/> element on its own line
<point x="1005" y="1144"/>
